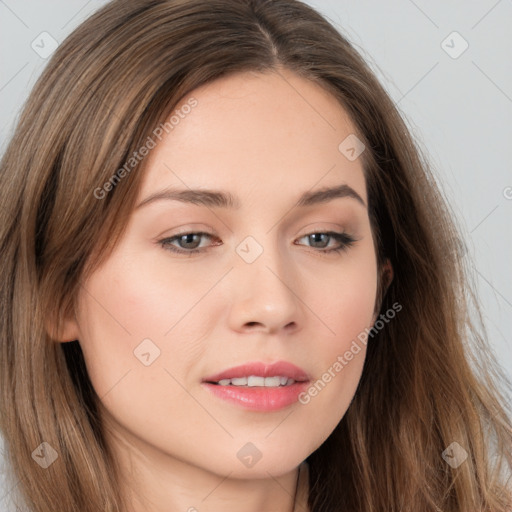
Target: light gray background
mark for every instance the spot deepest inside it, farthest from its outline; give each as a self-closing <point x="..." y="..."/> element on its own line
<point x="459" y="109"/>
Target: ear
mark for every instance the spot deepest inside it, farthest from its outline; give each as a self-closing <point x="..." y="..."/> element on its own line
<point x="63" y="327"/>
<point x="386" y="276"/>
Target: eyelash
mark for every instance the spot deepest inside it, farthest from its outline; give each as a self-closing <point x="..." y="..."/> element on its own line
<point x="346" y="242"/>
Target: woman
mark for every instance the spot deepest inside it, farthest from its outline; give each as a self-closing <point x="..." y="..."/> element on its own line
<point x="229" y="280"/>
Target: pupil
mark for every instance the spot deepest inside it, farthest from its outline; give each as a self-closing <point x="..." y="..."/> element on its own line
<point x="189" y="240"/>
<point x="316" y="237"/>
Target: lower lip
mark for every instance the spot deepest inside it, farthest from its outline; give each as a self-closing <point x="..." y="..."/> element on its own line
<point x="259" y="398"/>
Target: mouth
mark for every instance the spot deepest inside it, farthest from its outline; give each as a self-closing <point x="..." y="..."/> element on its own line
<point x="257" y="380"/>
<point x="259" y="386"/>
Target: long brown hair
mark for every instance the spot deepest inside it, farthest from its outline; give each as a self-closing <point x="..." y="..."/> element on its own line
<point x="429" y="378"/>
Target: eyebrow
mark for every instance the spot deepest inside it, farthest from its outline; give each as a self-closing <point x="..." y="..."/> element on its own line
<point x="220" y="199"/>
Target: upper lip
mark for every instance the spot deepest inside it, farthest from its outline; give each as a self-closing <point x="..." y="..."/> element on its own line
<point x="277" y="369"/>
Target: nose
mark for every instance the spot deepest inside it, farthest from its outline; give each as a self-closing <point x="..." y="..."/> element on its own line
<point x="266" y="297"/>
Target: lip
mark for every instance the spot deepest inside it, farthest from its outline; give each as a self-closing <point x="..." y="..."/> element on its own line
<point x="279" y="368"/>
<point x="259" y="398"/>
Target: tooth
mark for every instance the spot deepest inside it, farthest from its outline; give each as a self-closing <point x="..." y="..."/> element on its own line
<point x="272" y="381"/>
<point x="255" y="381"/>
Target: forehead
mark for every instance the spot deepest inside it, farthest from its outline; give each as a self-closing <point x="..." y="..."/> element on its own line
<point x="256" y="134"/>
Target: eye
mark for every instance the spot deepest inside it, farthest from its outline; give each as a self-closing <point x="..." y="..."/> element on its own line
<point x="321" y="240"/>
<point x="190" y="243"/>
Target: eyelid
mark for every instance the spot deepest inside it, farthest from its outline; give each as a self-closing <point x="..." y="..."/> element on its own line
<point x="343" y="237"/>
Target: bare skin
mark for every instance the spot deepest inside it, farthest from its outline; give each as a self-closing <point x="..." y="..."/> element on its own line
<point x="266" y="139"/>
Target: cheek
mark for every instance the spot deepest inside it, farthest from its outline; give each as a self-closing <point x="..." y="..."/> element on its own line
<point x="141" y="332"/>
<point x="343" y="298"/>
<point x="124" y="316"/>
<point x="134" y="298"/>
<point x="347" y="310"/>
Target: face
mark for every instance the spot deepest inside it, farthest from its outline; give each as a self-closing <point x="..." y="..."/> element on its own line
<point x="196" y="287"/>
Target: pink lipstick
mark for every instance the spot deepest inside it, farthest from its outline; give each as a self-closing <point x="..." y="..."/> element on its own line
<point x="259" y="386"/>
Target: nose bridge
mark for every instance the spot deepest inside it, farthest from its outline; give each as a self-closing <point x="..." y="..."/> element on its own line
<point x="264" y="259"/>
<point x="265" y="293"/>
